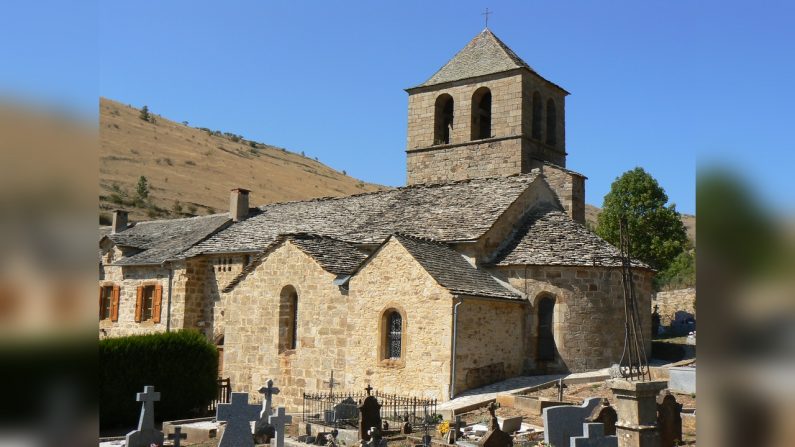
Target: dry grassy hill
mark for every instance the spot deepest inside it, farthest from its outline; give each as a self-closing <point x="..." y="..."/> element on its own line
<point x="190" y="171"/>
<point x="592" y="214"/>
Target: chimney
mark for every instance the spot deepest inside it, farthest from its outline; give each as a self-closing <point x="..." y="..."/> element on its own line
<point x="119" y="221"/>
<point x="238" y="204"/>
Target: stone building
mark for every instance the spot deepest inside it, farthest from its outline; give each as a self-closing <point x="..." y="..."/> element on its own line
<point x="478" y="270"/>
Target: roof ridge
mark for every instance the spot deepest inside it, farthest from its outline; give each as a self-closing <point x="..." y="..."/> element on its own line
<point x="178" y="219"/>
<point x="403" y="188"/>
<point x="429" y="240"/>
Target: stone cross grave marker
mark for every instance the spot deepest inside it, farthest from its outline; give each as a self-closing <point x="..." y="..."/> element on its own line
<point x="593" y="436"/>
<point x="146" y="433"/>
<point x="564" y="422"/>
<point x="331" y="383"/>
<point x="263" y="432"/>
<point x="669" y="420"/>
<point x="279" y="420"/>
<point x="560" y="386"/>
<point x="267" y="392"/>
<point x="237" y="414"/>
<point x="177" y="435"/>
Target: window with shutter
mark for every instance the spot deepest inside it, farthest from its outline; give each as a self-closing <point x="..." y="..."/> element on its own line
<point x="156" y="303"/>
<point x="105" y="302"/>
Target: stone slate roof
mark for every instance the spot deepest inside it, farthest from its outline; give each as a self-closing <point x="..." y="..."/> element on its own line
<point x="452" y="271"/>
<point x="485" y="54"/>
<point x="454" y="211"/>
<point x="335" y="256"/>
<point x="550" y="237"/>
<point x="161" y="240"/>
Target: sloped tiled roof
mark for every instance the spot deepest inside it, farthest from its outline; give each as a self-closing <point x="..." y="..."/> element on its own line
<point x="454" y="211"/>
<point x="485" y="54"/>
<point x="550" y="237"/>
<point x="161" y="240"/>
<point x="335" y="256"/>
<point x="452" y="271"/>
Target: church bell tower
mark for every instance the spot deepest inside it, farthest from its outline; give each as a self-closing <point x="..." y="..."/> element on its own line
<point x="485" y="113"/>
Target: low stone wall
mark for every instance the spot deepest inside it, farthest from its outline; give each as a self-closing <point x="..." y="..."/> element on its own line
<point x="675" y="306"/>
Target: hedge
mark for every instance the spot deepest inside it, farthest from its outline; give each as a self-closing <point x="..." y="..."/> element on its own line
<point x="183" y="367"/>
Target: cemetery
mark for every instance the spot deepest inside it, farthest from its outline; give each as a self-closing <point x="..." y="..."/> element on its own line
<point x="577" y="412"/>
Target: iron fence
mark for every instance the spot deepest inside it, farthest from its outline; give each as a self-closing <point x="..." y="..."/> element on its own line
<point x="341" y="410"/>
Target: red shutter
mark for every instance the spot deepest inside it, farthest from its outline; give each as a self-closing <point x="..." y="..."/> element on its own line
<point x="114" y="304"/>
<point x="156" y="303"/>
<point x="100" y="302"/>
<point x="139" y="301"/>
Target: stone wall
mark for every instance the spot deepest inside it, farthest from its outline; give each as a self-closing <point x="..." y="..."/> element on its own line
<point x="392" y="279"/>
<point x="569" y="187"/>
<point x="486" y="158"/>
<point x="675" y="305"/>
<point x="251" y="354"/>
<point x="506" y="107"/>
<point x="588" y="323"/>
<point x="128" y="279"/>
<point x="490" y="343"/>
<point x="511" y="148"/>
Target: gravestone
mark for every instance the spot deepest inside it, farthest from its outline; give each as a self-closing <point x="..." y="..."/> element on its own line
<point x="263" y="431"/>
<point x="146" y="434"/>
<point x="177" y="436"/>
<point x="279" y="421"/>
<point x="669" y="420"/>
<point x="344" y="411"/>
<point x="495" y="437"/>
<point x="564" y="422"/>
<point x="369" y="415"/>
<point x="510" y="425"/>
<point x="238" y="415"/>
<point x="606" y="415"/>
<point x="593" y="436"/>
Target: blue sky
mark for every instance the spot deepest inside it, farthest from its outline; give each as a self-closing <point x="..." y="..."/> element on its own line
<point x="660" y="85"/>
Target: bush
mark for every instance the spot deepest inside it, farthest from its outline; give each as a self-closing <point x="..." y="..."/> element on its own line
<point x="183" y="366"/>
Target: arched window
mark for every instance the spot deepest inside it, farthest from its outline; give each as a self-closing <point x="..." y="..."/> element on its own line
<point x="481" y="114"/>
<point x="394" y="335"/>
<point x="546" y="340"/>
<point x="288" y="319"/>
<point x="538" y="109"/>
<point x="551" y="123"/>
<point x="443" y="121"/>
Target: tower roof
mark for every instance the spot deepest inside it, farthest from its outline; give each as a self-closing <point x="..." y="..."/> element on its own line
<point x="483" y="55"/>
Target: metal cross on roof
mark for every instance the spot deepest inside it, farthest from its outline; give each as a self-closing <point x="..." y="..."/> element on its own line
<point x="487" y="13"/>
<point x="331" y="383"/>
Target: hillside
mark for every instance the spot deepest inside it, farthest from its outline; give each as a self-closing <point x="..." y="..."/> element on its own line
<point x="190" y="171"/>
<point x="592" y="214"/>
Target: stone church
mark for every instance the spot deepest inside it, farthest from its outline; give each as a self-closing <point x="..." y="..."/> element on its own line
<point x="478" y="270"/>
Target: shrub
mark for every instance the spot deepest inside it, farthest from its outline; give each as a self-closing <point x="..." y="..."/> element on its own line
<point x="183" y="366"/>
<point x="145" y="115"/>
<point x="142" y="189"/>
<point x="192" y="209"/>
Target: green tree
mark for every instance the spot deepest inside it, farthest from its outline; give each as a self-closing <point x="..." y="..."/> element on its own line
<point x="143" y="188"/>
<point x="145" y="114"/>
<point x="655" y="229"/>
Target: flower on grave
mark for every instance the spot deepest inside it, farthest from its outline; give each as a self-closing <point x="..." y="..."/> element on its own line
<point x="443" y="428"/>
